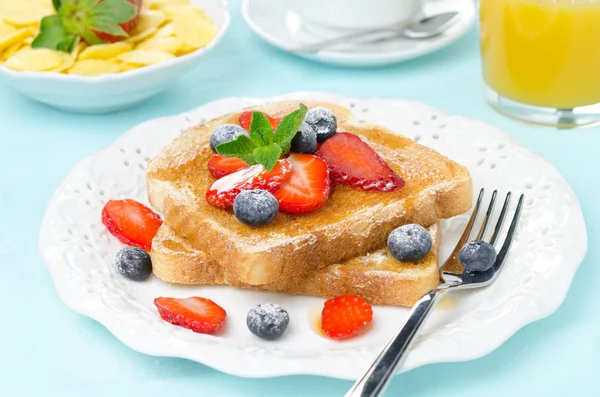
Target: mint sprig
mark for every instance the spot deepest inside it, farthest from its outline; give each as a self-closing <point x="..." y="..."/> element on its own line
<point x="265" y="146"/>
<point x="76" y="19"/>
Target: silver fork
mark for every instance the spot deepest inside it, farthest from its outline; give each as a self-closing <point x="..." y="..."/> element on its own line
<point x="453" y="277"/>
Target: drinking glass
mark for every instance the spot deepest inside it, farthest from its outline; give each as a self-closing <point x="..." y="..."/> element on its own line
<point x="541" y="59"/>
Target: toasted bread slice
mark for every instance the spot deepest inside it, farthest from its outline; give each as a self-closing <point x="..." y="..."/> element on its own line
<point x="378" y="277"/>
<point x="352" y="222"/>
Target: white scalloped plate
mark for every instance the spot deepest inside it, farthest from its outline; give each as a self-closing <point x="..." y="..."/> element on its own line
<point x="550" y="244"/>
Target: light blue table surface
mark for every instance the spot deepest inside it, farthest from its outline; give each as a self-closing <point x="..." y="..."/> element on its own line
<point x="48" y="350"/>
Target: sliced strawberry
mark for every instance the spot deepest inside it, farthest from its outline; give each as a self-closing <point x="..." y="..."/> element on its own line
<point x="308" y="188"/>
<point x="345" y="316"/>
<point x="353" y="162"/>
<point x="131" y="222"/>
<point x="246" y="120"/>
<point x="220" y="166"/>
<point x="198" y="314"/>
<point x="222" y="193"/>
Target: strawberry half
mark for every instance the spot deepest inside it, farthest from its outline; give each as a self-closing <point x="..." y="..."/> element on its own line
<point x="220" y="166"/>
<point x="353" y="162"/>
<point x="345" y="316"/>
<point x="223" y="191"/>
<point x="198" y="314"/>
<point x="308" y="188"/>
<point x="246" y="120"/>
<point x="131" y="222"/>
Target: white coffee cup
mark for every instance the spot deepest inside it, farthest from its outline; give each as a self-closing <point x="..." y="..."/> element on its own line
<point x="356" y="14"/>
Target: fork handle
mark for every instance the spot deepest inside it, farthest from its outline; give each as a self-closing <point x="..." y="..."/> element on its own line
<point x="376" y="379"/>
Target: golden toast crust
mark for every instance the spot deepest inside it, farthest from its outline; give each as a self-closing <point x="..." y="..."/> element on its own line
<point x="377" y="276"/>
<point x="350" y="224"/>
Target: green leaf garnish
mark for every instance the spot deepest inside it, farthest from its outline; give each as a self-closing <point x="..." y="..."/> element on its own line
<point x="268" y="155"/>
<point x="107" y="25"/>
<point x="54" y="36"/>
<point x="119" y="11"/>
<point x="289" y="126"/>
<point x="76" y="19"/>
<point x="241" y="147"/>
<point x="264" y="146"/>
<point x="261" y="132"/>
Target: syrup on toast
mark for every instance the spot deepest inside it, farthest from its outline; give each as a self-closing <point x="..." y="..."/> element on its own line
<point x="377" y="276"/>
<point x="352" y="222"/>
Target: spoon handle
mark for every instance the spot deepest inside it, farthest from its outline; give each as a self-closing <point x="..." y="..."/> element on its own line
<point x="362" y="34"/>
<point x="425" y="28"/>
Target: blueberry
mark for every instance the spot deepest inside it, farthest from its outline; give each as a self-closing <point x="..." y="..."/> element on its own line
<point x="225" y="133"/>
<point x="477" y="256"/>
<point x="305" y="140"/>
<point x="255" y="207"/>
<point x="323" y="121"/>
<point x="134" y="263"/>
<point x="267" y="320"/>
<point x="409" y="243"/>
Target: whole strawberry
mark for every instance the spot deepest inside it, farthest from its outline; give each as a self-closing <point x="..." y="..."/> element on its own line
<point x="95" y="21"/>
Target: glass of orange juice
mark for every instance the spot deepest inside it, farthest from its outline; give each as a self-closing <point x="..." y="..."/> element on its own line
<point x="541" y="59"/>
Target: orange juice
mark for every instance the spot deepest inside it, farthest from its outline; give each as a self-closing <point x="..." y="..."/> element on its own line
<point x="542" y="52"/>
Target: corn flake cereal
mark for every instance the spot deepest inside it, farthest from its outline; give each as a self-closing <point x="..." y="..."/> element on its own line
<point x="34" y="60"/>
<point x="94" y="67"/>
<point x="148" y="20"/>
<point x="105" y="51"/>
<point x="6" y="29"/>
<point x="141" y="36"/>
<point x="171" y="45"/>
<point x="68" y="62"/>
<point x="15" y="37"/>
<point x="166" y="29"/>
<point x="145" y="57"/>
<point x="195" y="31"/>
<point x="10" y="51"/>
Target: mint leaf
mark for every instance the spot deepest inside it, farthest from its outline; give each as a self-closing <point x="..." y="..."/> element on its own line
<point x="261" y="132"/>
<point x="53" y="35"/>
<point x="241" y="147"/>
<point x="107" y="25"/>
<point x="268" y="155"/>
<point x="264" y="146"/>
<point x="56" y="4"/>
<point x="288" y="127"/>
<point x="119" y="11"/>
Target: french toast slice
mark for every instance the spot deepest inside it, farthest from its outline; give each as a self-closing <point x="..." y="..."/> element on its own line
<point x="351" y="223"/>
<point x="377" y="276"/>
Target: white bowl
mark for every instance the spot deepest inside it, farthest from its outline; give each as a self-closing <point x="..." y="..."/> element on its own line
<point x="112" y="92"/>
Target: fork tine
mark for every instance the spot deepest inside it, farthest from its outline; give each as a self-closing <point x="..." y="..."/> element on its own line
<point x="509" y="237"/>
<point x="452" y="264"/>
<point x="488" y="215"/>
<point x="471" y="223"/>
<point x="501" y="219"/>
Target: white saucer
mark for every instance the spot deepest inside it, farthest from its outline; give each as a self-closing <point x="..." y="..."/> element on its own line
<point x="276" y="24"/>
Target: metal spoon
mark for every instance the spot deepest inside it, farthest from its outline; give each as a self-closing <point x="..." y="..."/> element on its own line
<point x="422" y="29"/>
